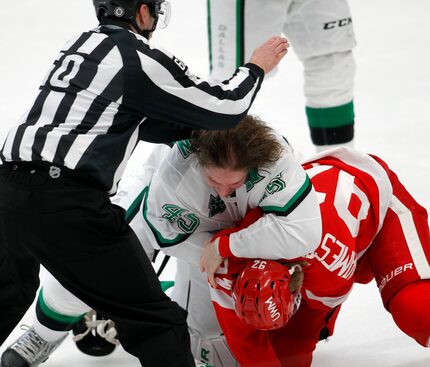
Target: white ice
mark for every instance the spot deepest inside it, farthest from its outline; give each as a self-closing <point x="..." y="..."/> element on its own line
<point x="392" y="100"/>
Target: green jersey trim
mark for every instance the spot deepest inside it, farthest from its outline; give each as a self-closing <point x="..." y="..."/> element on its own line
<point x="293" y="203"/>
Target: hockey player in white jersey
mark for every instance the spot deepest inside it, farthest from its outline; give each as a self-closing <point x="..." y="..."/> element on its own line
<point x="209" y="183"/>
<point x="201" y="187"/>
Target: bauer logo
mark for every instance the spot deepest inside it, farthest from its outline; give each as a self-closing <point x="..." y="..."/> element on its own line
<point x="393" y="273"/>
<point x="273" y="310"/>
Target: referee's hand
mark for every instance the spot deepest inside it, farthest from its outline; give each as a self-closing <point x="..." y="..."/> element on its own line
<point x="269" y="54"/>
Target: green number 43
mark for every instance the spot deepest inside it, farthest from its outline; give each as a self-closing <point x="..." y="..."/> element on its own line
<point x="187" y="222"/>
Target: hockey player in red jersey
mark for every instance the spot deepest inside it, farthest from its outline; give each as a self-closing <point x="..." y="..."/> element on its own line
<point x="372" y="228"/>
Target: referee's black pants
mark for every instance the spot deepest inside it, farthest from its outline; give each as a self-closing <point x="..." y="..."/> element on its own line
<point x="74" y="231"/>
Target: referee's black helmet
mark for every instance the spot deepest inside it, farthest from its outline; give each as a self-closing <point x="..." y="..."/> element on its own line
<point x="126" y="10"/>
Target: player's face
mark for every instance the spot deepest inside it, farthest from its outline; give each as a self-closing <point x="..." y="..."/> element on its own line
<point x="224" y="180"/>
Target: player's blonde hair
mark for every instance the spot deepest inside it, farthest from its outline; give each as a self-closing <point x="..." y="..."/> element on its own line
<point x="250" y="145"/>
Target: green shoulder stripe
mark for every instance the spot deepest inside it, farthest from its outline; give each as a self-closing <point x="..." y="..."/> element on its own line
<point x="293" y="202"/>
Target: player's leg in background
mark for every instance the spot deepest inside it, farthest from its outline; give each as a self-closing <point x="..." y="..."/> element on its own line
<point x="56" y="311"/>
<point x="410" y="310"/>
<point x="237" y="27"/>
<point x="400" y="260"/>
<point x="191" y="292"/>
<point x="321" y="33"/>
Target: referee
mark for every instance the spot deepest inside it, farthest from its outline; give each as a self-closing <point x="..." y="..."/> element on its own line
<point x="107" y="89"/>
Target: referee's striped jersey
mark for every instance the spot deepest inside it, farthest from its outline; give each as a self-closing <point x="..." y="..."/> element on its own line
<point x="108" y="89"/>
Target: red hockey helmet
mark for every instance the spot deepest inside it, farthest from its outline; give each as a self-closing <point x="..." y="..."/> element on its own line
<point x="262" y="296"/>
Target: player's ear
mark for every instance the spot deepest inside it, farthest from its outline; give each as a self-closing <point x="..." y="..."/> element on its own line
<point x="144" y="18"/>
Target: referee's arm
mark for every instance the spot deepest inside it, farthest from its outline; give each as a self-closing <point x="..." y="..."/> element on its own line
<point x="173" y="94"/>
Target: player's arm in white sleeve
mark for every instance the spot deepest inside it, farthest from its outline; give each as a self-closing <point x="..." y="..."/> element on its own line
<point x="291" y="226"/>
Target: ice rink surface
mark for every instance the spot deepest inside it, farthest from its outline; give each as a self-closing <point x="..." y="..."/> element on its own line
<point x="392" y="98"/>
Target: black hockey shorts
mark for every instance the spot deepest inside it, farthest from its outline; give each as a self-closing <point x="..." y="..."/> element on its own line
<point x="71" y="227"/>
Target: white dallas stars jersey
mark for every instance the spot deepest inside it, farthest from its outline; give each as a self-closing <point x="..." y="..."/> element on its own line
<point x="182" y="211"/>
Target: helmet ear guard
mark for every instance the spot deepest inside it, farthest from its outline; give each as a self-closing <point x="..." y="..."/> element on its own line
<point x="262" y="295"/>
